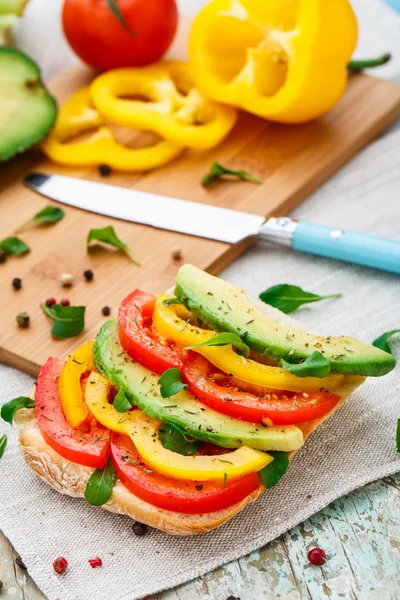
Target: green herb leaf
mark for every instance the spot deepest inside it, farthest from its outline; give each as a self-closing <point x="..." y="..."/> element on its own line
<point x="68" y="321"/>
<point x="48" y="215"/>
<point x="382" y="341"/>
<point x="171" y="383"/>
<point x="121" y="402"/>
<point x="100" y="485"/>
<point x="13" y="246"/>
<point x="9" y="409"/>
<point x="288" y="297"/>
<point x="174" y="439"/>
<point x="398" y="436"/>
<point x="169" y="301"/>
<point x="273" y="472"/>
<point x="107" y="235"/>
<point x="316" y="365"/>
<point x="368" y="63"/>
<point x="3" y="444"/>
<point x="223" y="339"/>
<point x="217" y="171"/>
<point x="112" y="5"/>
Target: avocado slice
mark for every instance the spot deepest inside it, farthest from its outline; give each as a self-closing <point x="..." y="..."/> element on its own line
<point x="225" y="307"/>
<point x="27" y="111"/>
<point x="183" y="409"/>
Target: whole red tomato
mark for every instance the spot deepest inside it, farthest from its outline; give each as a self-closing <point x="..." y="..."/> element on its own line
<point x="97" y="35"/>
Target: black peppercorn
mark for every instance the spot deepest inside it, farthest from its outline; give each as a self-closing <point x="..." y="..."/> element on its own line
<point x="20" y="563"/>
<point x="106" y="311"/>
<point x="3" y="258"/>
<point x="88" y="275"/>
<point x="17" y="283"/>
<point x="104" y="170"/>
<point x="23" y="320"/>
<point x="139" y="528"/>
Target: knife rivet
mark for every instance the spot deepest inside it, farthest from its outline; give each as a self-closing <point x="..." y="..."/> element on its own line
<point x="336" y="234"/>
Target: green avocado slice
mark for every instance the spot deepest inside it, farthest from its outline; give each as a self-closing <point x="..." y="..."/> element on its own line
<point x="27" y="110"/>
<point x="225" y="307"/>
<point x="183" y="409"/>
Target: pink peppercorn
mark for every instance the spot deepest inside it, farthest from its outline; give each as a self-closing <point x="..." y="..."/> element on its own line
<point x="60" y="565"/>
<point x="50" y="302"/>
<point x="95" y="562"/>
<point x="317" y="557"/>
<point x="65" y="302"/>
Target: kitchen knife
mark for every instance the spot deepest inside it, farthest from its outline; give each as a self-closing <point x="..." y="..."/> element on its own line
<point x="216" y="223"/>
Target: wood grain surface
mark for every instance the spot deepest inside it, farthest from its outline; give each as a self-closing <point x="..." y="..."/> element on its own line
<point x="291" y="160"/>
<point x="359" y="532"/>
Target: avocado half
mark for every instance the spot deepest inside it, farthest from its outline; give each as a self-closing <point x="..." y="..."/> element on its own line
<point x="27" y="110"/>
<point x="225" y="307"/>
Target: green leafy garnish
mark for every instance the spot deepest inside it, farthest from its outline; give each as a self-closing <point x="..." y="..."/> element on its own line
<point x="368" y="63"/>
<point x="14" y="246"/>
<point x="316" y="365"/>
<point x="48" y="215"/>
<point x="121" y="402"/>
<point x="112" y="5"/>
<point x="171" y="383"/>
<point x="382" y="341"/>
<point x="107" y="235"/>
<point x="169" y="301"/>
<point x="223" y="339"/>
<point x="273" y="472"/>
<point x="3" y="444"/>
<point x="217" y="171"/>
<point x="398" y="435"/>
<point x="173" y="438"/>
<point x="288" y="297"/>
<point x="9" y="409"/>
<point x="100" y="485"/>
<point x="68" y="321"/>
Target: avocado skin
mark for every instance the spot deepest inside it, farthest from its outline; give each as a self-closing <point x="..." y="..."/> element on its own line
<point x="225" y="307"/>
<point x="142" y="387"/>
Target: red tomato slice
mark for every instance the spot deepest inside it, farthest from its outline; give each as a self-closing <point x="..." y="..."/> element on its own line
<point x="89" y="445"/>
<point x="140" y="340"/>
<point x="173" y="494"/>
<point x="228" y="396"/>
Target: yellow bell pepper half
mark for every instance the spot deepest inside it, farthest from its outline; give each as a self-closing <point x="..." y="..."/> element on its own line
<point x="69" y="384"/>
<point x="285" y="61"/>
<point x="163" y="99"/>
<point x="173" y="323"/>
<point x="77" y="116"/>
<point x="144" y="433"/>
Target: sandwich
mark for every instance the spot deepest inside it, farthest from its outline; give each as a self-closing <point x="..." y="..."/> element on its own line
<point x="187" y="407"/>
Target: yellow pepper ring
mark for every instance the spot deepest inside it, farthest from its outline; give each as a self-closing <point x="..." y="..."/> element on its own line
<point x="281" y="60"/>
<point x="173" y="323"/>
<point x="69" y="384"/>
<point x="78" y="116"/>
<point x="144" y="433"/>
<point x="168" y="103"/>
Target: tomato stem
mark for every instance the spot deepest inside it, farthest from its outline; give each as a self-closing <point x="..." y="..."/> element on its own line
<point x="368" y="63"/>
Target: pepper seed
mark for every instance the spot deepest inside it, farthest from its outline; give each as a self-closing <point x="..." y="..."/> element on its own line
<point x="17" y="283"/>
<point x="106" y="311"/>
<point x="66" y="279"/>
<point x="139" y="528"/>
<point x="104" y="170"/>
<point x="176" y="253"/>
<point x="3" y="258"/>
<point x="88" y="275"/>
<point x="23" y="320"/>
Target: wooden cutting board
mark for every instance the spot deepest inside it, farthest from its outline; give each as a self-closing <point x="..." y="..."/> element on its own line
<point x="291" y="160"/>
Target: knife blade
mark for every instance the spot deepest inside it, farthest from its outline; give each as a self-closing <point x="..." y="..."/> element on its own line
<point x="217" y="223"/>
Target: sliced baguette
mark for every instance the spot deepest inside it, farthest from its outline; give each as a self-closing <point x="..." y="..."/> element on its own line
<point x="71" y="479"/>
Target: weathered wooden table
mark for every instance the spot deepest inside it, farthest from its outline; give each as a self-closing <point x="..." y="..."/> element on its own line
<point x="359" y="532"/>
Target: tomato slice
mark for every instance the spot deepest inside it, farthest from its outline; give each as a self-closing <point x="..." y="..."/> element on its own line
<point x="140" y="340"/>
<point x="173" y="494"/>
<point x="88" y="445"/>
<point x="228" y="396"/>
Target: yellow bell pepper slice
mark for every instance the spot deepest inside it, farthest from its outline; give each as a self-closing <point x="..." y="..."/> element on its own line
<point x="144" y="433"/>
<point x="69" y="384"/>
<point x="172" y="322"/>
<point x="167" y="103"/>
<point x="78" y="116"/>
<point x="285" y="61"/>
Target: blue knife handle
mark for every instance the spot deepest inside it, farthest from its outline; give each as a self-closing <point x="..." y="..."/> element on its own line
<point x="358" y="248"/>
